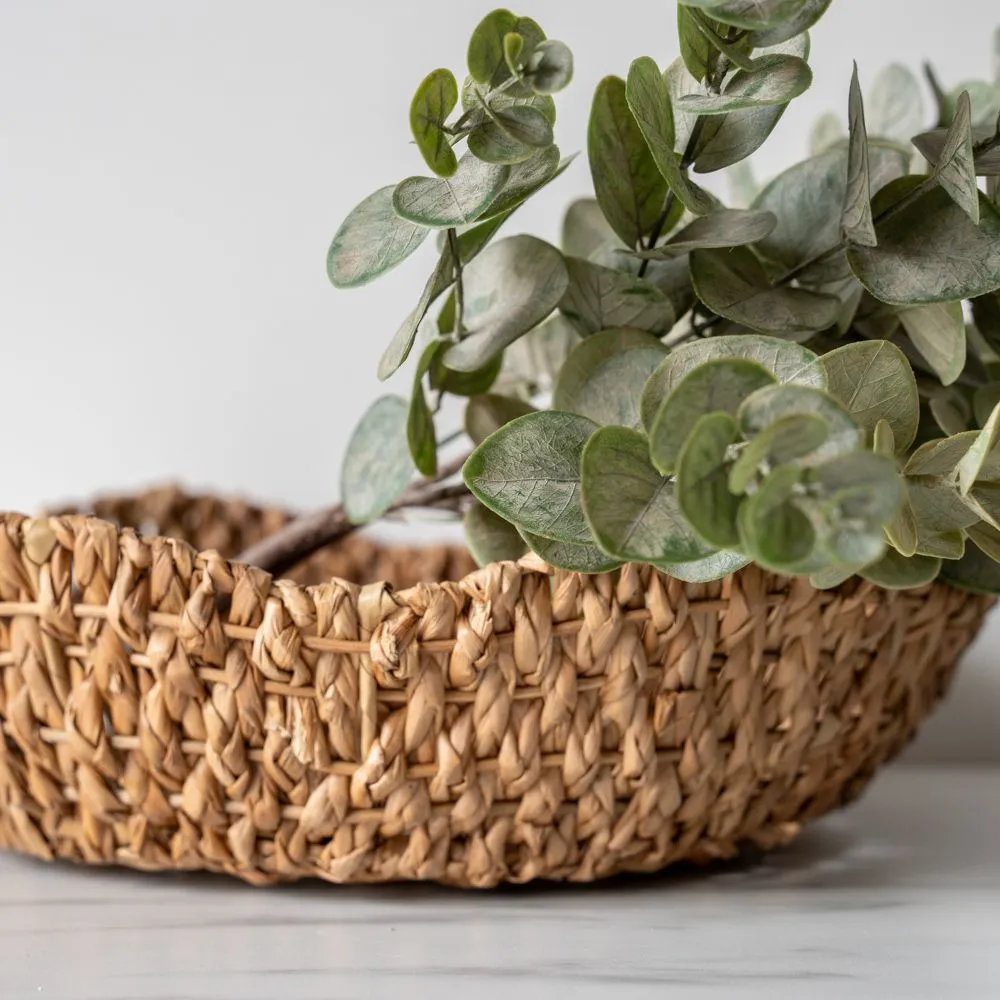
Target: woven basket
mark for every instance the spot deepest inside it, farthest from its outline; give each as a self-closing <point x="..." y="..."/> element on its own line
<point x="514" y="724"/>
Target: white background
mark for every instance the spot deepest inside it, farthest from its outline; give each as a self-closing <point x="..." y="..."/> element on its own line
<point x="171" y="174"/>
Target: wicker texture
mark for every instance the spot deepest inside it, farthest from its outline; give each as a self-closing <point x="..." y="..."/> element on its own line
<point x="513" y="724"/>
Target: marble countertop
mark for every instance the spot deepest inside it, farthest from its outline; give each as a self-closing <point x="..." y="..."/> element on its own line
<point x="896" y="897"/>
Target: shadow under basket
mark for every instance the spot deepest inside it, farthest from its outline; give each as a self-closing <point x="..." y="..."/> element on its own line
<point x="164" y="708"/>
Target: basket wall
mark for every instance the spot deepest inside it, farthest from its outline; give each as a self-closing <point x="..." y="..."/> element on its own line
<point x="513" y="724"/>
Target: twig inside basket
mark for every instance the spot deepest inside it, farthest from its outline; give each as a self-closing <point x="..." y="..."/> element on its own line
<point x="300" y="538"/>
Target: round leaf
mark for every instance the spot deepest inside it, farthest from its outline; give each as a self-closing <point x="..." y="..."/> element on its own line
<point x="550" y="67"/>
<point x="896" y="572"/>
<point x="630" y="507"/>
<point x="584" y="229"/>
<point x="371" y="241"/>
<point x="788" y="440"/>
<point x="486" y="60"/>
<point x="527" y="177"/>
<point x="975" y="571"/>
<point x="511" y="136"/>
<point x="713" y="567"/>
<point x="490" y="538"/>
<point x="754" y="14"/>
<point x="703" y="480"/>
<point x="774" y="79"/>
<point x="937" y="331"/>
<point x="773" y="530"/>
<point x="434" y="100"/>
<point x="489" y="412"/>
<point x="806" y="15"/>
<point x="571" y="556"/>
<point x="446" y="202"/>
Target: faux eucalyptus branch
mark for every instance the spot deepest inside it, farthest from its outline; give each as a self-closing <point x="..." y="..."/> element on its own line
<point x="808" y="379"/>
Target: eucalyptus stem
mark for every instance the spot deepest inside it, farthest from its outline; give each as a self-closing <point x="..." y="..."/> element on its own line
<point x="459" y="286"/>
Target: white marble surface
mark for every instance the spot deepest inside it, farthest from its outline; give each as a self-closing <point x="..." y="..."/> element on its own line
<point x="897" y="897"/>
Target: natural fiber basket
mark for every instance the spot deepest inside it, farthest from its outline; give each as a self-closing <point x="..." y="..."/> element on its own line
<point x="512" y="724"/>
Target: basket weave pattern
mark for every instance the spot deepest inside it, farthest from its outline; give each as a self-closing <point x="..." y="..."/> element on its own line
<point x="513" y="724"/>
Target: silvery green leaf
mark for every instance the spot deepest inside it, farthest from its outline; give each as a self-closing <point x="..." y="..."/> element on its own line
<point x="931" y="251"/>
<point x="444" y="202"/>
<point x="598" y="299"/>
<point x="790" y="440"/>
<point x="975" y="571"/>
<point x="476" y="95"/>
<point x="971" y="465"/>
<point x="528" y="177"/>
<point x="702" y="484"/>
<point x="549" y="69"/>
<point x="775" y="79"/>
<point x="492" y="141"/>
<point x="856" y="219"/>
<point x="774" y="532"/>
<point x="649" y="101"/>
<point x="713" y="567"/>
<point x="937" y="331"/>
<point x="895" y="104"/>
<point x="631" y="509"/>
<point x="773" y="403"/>
<point x="528" y="472"/>
<point x="827" y="132"/>
<point x="486" y="60"/>
<point x="434" y="100"/>
<point x="532" y="362"/>
<point x="754" y="14"/>
<point x="874" y="381"/>
<point x="700" y="56"/>
<point x="987" y="539"/>
<point x="472" y="383"/>
<point x="808" y="12"/>
<point x="832" y="577"/>
<point x="941" y="458"/>
<point x="955" y="170"/>
<point x="420" y="433"/>
<point x="984" y="501"/>
<point x="513" y="46"/>
<point x="734" y="284"/>
<point x="938" y="509"/>
<point x="490" y="538"/>
<point x="895" y="572"/>
<point x="604" y="375"/>
<point x="377" y="466"/>
<point x="808" y="198"/>
<point x="931" y="145"/>
<point x="371" y="241"/>
<point x="571" y="556"/>
<point x="788" y="362"/>
<point x="743" y="186"/>
<point x="713" y="386"/>
<point x="629" y="187"/>
<point x="985" y="99"/>
<point x="509" y="288"/>
<point x="489" y="412"/>
<point x="726" y="227"/>
<point x="951" y="411"/>
<point x="984" y="400"/>
<point x="584" y="229"/>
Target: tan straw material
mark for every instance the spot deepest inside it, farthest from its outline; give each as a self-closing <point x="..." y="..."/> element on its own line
<point x="507" y="724"/>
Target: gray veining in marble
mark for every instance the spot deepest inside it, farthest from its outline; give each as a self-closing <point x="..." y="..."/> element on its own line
<point x="897" y="897"/>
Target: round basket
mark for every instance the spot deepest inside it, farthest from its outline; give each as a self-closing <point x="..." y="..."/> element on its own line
<point x="166" y="709"/>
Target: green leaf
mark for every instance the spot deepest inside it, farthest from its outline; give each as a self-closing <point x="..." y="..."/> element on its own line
<point x="511" y="136"/>
<point x="510" y="288"/>
<point x="955" y="170"/>
<point x="490" y="538"/>
<point x="649" y="101"/>
<point x="831" y="577"/>
<point x="699" y="54"/>
<point x="713" y="567"/>
<point x="786" y="441"/>
<point x="932" y="145"/>
<point x="476" y="95"/>
<point x="789" y="363"/>
<point x="734" y="284"/>
<point x="377" y="466"/>
<point x="713" y="386"/>
<point x="528" y="472"/>
<point x="931" y="251"/>
<point x="937" y="331"/>
<point x="895" y="104"/>
<point x="445" y="202"/>
<point x="526" y="178"/>
<point x="775" y="79"/>
<point x="725" y="227"/>
<point x="486" y="52"/>
<point x="873" y="380"/>
<point x="584" y="229"/>
<point x="371" y="241"/>
<point x="598" y="298"/>
<point x="549" y="68"/>
<point x="827" y="132"/>
<point x="531" y="363"/>
<point x="472" y="383"/>
<point x="856" y="219"/>
<point x="987" y="540"/>
<point x="984" y="400"/>
<point x="754" y="14"/>
<point x="434" y="100"/>
<point x="489" y="412"/>
<point x="807" y="14"/>
<point x="896" y="572"/>
<point x="604" y="375"/>
<point x="772" y="403"/>
<point x="631" y="509"/>
<point x="680" y="83"/>
<point x="571" y="556"/>
<point x="970" y="467"/>
<point x="513" y="46"/>
<point x="628" y="185"/>
<point x="703" y="480"/>
<point x="774" y="532"/>
<point x="975" y="571"/>
<point x="420" y="433"/>
<point x="951" y="411"/>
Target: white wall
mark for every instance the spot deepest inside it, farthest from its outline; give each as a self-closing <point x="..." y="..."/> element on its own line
<point x="171" y="174"/>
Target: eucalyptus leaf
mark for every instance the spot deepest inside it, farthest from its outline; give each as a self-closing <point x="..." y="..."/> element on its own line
<point x="490" y="538"/>
<point x="602" y="377"/>
<point x="895" y="104"/>
<point x="420" y="432"/>
<point x="472" y="383"/>
<point x="955" y="170"/>
<point x="975" y="571"/>
<point x="598" y="298"/>
<point x="856" y="219"/>
<point x="807" y="13"/>
<point x="774" y="532"/>
<point x="510" y="137"/>
<point x="487" y="63"/>
<point x="774" y="80"/>
<point x="827" y="132"/>
<point x="584" y="229"/>
<point x="476" y="97"/>
<point x="937" y="331"/>
<point x="371" y="241"/>
<point x="788" y="440"/>
<point x="789" y="363"/>
<point x="895" y="572"/>
<point x="377" y="467"/>
<point x="489" y="412"/>
<point x="713" y="567"/>
<point x="755" y="14"/>
<point x="549" y="69"/>
<point x="932" y="145"/>
<point x="631" y="509"/>
<point x="984" y="400"/>
<point x="987" y="539"/>
<point x="734" y="284"/>
<point x="433" y="102"/>
<point x="444" y="202"/>
<point x="971" y="465"/>
<point x="627" y="182"/>
<point x="713" y="386"/>
<point x="700" y="56"/>
<point x="509" y="288"/>
<point x="726" y="227"/>
<point x="526" y="178"/>
<point x="571" y="556"/>
<point x="531" y="363"/>
<point x="649" y="101"/>
<point x="702" y="484"/>
<point x="679" y="84"/>
<point x="528" y="472"/>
